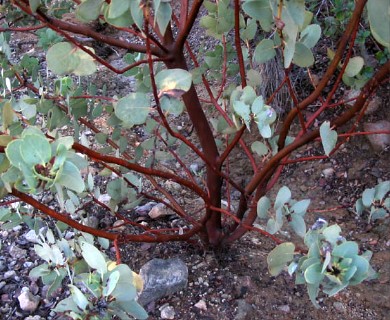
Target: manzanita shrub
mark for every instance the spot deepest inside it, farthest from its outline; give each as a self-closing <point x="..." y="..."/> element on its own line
<point x="50" y="139"/>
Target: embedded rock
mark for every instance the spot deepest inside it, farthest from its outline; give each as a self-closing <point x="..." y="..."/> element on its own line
<point x="378" y="141"/>
<point x="162" y="278"/>
<point x="27" y="301"/>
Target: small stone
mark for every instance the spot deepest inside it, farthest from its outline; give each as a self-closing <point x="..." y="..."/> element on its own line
<point x="47" y="198"/>
<point x="158" y="211"/>
<point x="194" y="167"/>
<point x="244" y="310"/>
<point x="2" y="284"/>
<point x="3" y="266"/>
<point x="328" y="173"/>
<point x="144" y="209"/>
<point x="33" y="318"/>
<point x="339" y="306"/>
<point x="378" y="141"/>
<point x="303" y="188"/>
<point x="162" y="278"/>
<point x="173" y="186"/>
<point x="105" y="198"/>
<point x="16" y="252"/>
<point x="27" y="301"/>
<point x="9" y="274"/>
<point x="285" y="308"/>
<point x="201" y="304"/>
<point x="119" y="225"/>
<point x="31" y="236"/>
<point x="92" y="222"/>
<point x="167" y="312"/>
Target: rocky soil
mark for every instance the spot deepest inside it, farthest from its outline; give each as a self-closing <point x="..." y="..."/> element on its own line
<point x="234" y="284"/>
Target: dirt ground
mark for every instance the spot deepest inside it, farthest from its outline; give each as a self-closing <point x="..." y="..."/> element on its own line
<point x="234" y="284"/>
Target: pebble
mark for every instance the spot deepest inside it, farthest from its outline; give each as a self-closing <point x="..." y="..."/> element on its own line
<point x="158" y="211"/>
<point x="328" y="173"/>
<point x="16" y="252"/>
<point x="378" y="141"/>
<point x="28" y="264"/>
<point x="167" y="312"/>
<point x="27" y="301"/>
<point x="339" y="306"/>
<point x="9" y="274"/>
<point x="201" y="304"/>
<point x="31" y="236"/>
<point x="285" y="308"/>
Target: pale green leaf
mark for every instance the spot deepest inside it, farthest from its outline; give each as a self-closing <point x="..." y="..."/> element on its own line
<point x="111" y="283"/>
<point x="368" y="196"/>
<point x="93" y="257"/>
<point x="303" y="57"/>
<point x="14" y="155"/>
<point x="263" y="205"/>
<point x="264" y="51"/>
<point x="261" y="11"/>
<point x="61" y="58"/>
<point x="313" y="274"/>
<point x="382" y="189"/>
<point x="78" y="297"/>
<point x="332" y="234"/>
<point x="133" y="308"/>
<point x="242" y="110"/>
<point x="273" y="226"/>
<point x="328" y="137"/>
<point x="298" y="225"/>
<point x="163" y="16"/>
<point x="125" y="20"/>
<point x="35" y="150"/>
<point x="359" y="207"/>
<point x="260" y="148"/>
<point x="278" y="258"/>
<point x="379" y="17"/>
<point x="170" y="79"/>
<point x="283" y="196"/>
<point x="300" y="207"/>
<point x="137" y="13"/>
<point x="362" y="268"/>
<point x="310" y="35"/>
<point x="347" y="249"/>
<point x="69" y="176"/>
<point x="172" y="105"/>
<point x="87" y="64"/>
<point x="133" y="108"/>
<point x="354" y="66"/>
<point x="296" y="9"/>
<point x="34" y="5"/>
<point x="254" y="78"/>
<point x="117" y="8"/>
<point x="89" y="10"/>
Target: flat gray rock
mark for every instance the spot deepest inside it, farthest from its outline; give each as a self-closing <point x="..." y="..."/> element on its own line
<point x="162" y="278"/>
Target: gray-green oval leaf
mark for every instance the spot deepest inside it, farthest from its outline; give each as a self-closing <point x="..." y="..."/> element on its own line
<point x="133" y="108"/>
<point x="354" y="66"/>
<point x="310" y="35"/>
<point x="89" y="10"/>
<point x="303" y="57"/>
<point x="379" y="17"/>
<point x="279" y="257"/>
<point x="61" y="58"/>
<point x="328" y="137"/>
<point x="264" y="51"/>
<point x="93" y="257"/>
<point x="170" y="79"/>
<point x="263" y="205"/>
